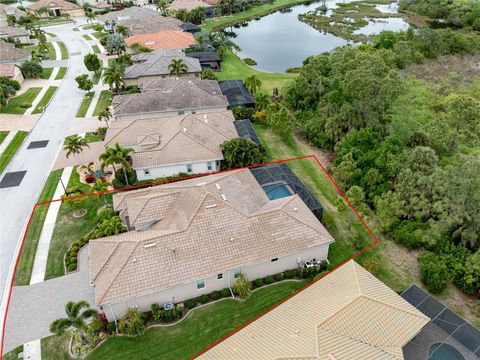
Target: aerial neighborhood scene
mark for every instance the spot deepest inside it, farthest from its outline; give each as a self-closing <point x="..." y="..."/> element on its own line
<point x="240" y="179"/>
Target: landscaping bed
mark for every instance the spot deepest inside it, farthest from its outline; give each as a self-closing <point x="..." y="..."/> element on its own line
<point x="63" y="50"/>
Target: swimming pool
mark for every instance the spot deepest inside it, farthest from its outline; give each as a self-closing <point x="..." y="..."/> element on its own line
<point x="444" y="352"/>
<point x="277" y="190"/>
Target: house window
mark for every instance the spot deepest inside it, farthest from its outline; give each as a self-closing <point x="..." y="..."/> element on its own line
<point x="209" y="166"/>
<point x="181" y="113"/>
<point x="237" y="273"/>
<point x="189" y="168"/>
<point x="146" y="172"/>
<point x="200" y="284"/>
<point x="274" y="259"/>
<point x="220" y="276"/>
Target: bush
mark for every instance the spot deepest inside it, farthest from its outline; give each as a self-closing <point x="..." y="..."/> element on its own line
<point x="268" y="280"/>
<point x="249" y="61"/>
<point x="155" y="311"/>
<point x="290" y="274"/>
<point x="225" y="292"/>
<point x="372" y="265"/>
<point x="72" y="267"/>
<point x="97" y="27"/>
<point x="132" y="323"/>
<point x="31" y="69"/>
<point x="111" y="327"/>
<point x="25" y="105"/>
<point x="96" y="324"/>
<point x="242" y="287"/>
<point x="89" y="179"/>
<point x="215" y="295"/>
<point x="190" y="303"/>
<point x="433" y="272"/>
<point x="171" y="315"/>
<point x="203" y="299"/>
<point x="278" y="277"/>
<point x="240" y="112"/>
<point x="258" y="283"/>
<point x="310" y="272"/>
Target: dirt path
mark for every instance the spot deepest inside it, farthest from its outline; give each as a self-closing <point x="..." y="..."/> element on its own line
<point x="325" y="157"/>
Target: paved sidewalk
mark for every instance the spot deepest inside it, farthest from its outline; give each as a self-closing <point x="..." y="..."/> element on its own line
<point x="55" y="63"/>
<point x="37" y="100"/>
<point x="82" y="125"/>
<point x="41" y="256"/>
<point x="54" y="74"/>
<point x="32" y="350"/>
<point x="7" y="141"/>
<point x="12" y="122"/>
<point x="58" y="53"/>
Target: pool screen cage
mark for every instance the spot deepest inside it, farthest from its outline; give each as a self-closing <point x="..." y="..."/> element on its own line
<point x="245" y="130"/>
<point x="444" y="331"/>
<point x="281" y="173"/>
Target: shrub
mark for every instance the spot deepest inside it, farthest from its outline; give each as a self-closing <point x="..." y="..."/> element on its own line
<point x="96" y="324"/>
<point x="225" y="292"/>
<point x="242" y="287"/>
<point x="132" y="323"/>
<point x="26" y="105"/>
<point x="249" y="61"/>
<point x="215" y="295"/>
<point x="155" y="311"/>
<point x="72" y="267"/>
<point x="190" y="303"/>
<point x="89" y="179"/>
<point x="433" y="272"/>
<point x="278" y="277"/>
<point x="97" y="27"/>
<point x="372" y="265"/>
<point x="170" y="315"/>
<point x="203" y="299"/>
<point x="268" y="280"/>
<point x="290" y="274"/>
<point x="31" y="69"/>
<point x="240" y="112"/>
<point x="258" y="283"/>
<point x="310" y="272"/>
<point x="111" y="327"/>
<point x="74" y="248"/>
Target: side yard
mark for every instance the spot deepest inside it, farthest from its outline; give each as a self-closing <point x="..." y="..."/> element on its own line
<point x="19" y="104"/>
<point x="12" y="149"/>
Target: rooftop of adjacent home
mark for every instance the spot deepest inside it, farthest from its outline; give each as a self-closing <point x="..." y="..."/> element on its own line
<point x="12" y="54"/>
<point x="53" y="4"/>
<point x="13" y="31"/>
<point x="131" y="13"/>
<point x="191" y="229"/>
<point x="166" y="39"/>
<point x="152" y="24"/>
<point x="347" y="315"/>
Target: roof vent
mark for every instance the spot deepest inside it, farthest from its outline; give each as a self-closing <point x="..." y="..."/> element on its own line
<point x="295" y="209"/>
<point x="149" y="156"/>
<point x="231" y="239"/>
<point x="217" y="185"/>
<point x="134" y="260"/>
<point x="149" y="245"/>
<point x="224" y="197"/>
<point x="205" y="118"/>
<point x="184" y="129"/>
<point x="210" y="206"/>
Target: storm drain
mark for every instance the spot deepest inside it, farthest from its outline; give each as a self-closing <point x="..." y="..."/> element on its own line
<point x="38" y="144"/>
<point x="12" y="179"/>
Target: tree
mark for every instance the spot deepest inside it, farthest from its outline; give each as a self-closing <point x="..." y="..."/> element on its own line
<point x="252" y="83"/>
<point x="162" y="6"/>
<point x="433" y="272"/>
<point x="462" y="114"/>
<point x="262" y="100"/>
<point x="84" y="83"/>
<point x="105" y="115"/>
<point x="101" y="187"/>
<point x="280" y="120"/>
<point x="240" y="152"/>
<point x="8" y="88"/>
<point x="122" y="30"/>
<point x="78" y="313"/>
<point x="74" y="145"/>
<point x="113" y="76"/>
<point x="115" y="44"/>
<point x="178" y="67"/>
<point x="132" y="323"/>
<point x="92" y="62"/>
<point x="90" y="16"/>
<point x="467" y="276"/>
<point x="208" y="74"/>
<point x="346" y="170"/>
<point x="242" y="286"/>
<point x="31" y="69"/>
<point x="117" y="155"/>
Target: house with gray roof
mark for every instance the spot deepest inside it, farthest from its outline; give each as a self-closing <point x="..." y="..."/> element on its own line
<point x="8" y="10"/>
<point x="196" y="236"/>
<point x="132" y="13"/>
<point x="155" y="65"/>
<point x="151" y="24"/>
<point x="12" y="55"/>
<point x="16" y="33"/>
<point x="170" y="96"/>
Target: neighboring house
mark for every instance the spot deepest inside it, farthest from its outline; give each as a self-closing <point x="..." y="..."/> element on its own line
<point x="170" y="96"/>
<point x="236" y="93"/>
<point x="151" y="24"/>
<point x="17" y="33"/>
<point x="55" y="8"/>
<point x="189" y="5"/>
<point x="347" y="315"/>
<point x="173" y="145"/>
<point x="196" y="236"/>
<point x="8" y="10"/>
<point x="208" y="59"/>
<point x="167" y="39"/>
<point x="189" y="27"/>
<point x="12" y="55"/>
<point x="98" y="6"/>
<point x="12" y="72"/>
<point x="132" y="13"/>
<point x="155" y="65"/>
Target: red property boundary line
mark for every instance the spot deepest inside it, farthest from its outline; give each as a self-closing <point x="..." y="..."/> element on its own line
<point x="314" y="157"/>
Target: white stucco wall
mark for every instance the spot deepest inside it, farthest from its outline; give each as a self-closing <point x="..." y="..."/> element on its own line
<point x="171" y="170"/>
<point x="187" y="291"/>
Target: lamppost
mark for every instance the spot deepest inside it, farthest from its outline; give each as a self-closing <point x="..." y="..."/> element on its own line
<point x="63" y="185"/>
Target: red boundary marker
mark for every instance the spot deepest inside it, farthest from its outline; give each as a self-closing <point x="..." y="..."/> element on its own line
<point x="314" y="157"/>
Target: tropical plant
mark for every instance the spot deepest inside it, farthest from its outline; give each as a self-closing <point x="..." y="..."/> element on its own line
<point x="162" y="6"/>
<point x="262" y="100"/>
<point x="84" y="83"/>
<point x="115" y="44"/>
<point x="117" y="155"/>
<point x="74" y="145"/>
<point x="92" y="62"/>
<point x="105" y="115"/>
<point x="122" y="30"/>
<point x="208" y="74"/>
<point x="132" y="323"/>
<point x="109" y="227"/>
<point x="178" y="67"/>
<point x="252" y="83"/>
<point x="242" y="286"/>
<point x="113" y="76"/>
<point x="101" y="187"/>
<point x="78" y="313"/>
<point x="31" y="69"/>
<point x="90" y="16"/>
<point x="240" y="152"/>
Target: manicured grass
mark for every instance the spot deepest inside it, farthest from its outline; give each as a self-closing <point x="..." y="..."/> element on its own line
<point x="56" y="347"/>
<point x="61" y="73"/>
<point x="90" y="137"/>
<point x="104" y="101"/>
<point x="14" y="105"/>
<point x="52" y="21"/>
<point x="3" y="135"/>
<point x="27" y="256"/>
<point x="96" y="76"/>
<point x="46" y="73"/>
<point x="98" y="34"/>
<point x="45" y="100"/>
<point x="87" y="37"/>
<point x="96" y="49"/>
<point x="82" y="110"/>
<point x="51" y="54"/>
<point x="11" y="149"/>
<point x="63" y="50"/>
<point x="13" y="355"/>
<point x="69" y="229"/>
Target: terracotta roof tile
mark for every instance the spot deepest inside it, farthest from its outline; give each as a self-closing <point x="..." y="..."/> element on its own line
<point x="167" y="39"/>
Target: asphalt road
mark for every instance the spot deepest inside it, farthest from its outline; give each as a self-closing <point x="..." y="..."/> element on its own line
<point x="16" y="203"/>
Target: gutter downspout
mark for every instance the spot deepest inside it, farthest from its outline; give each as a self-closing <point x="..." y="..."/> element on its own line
<point x="229" y="287"/>
<point x="114" y="318"/>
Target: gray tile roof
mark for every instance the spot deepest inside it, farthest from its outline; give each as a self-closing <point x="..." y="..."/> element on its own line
<point x="10" y="54"/>
<point x="151" y="24"/>
<point x="13" y="31"/>
<point x="132" y="13"/>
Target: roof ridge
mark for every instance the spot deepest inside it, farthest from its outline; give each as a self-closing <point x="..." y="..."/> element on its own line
<point x="201" y="144"/>
<point x="130" y="98"/>
<point x="210" y="127"/>
<point x="106" y="262"/>
<point x="421" y="315"/>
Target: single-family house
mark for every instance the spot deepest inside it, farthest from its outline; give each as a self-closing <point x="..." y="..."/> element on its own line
<point x="12" y="72"/>
<point x="98" y="6"/>
<point x="52" y="8"/>
<point x="12" y="55"/>
<point x="346" y="315"/>
<point x="155" y="65"/>
<point x="173" y="145"/>
<point x="170" y="96"/>
<point x="166" y="39"/>
<point x="189" y="5"/>
<point x="196" y="236"/>
<point x="208" y="59"/>
<point x="8" y="10"/>
<point x="189" y="27"/>
<point x="236" y="93"/>
<point x="151" y="24"/>
<point x="16" y="33"/>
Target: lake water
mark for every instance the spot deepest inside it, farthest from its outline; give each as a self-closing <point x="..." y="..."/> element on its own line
<point x="280" y="41"/>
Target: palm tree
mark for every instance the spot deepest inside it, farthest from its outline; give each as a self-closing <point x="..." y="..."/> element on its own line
<point x="75" y="145"/>
<point x="90" y="16"/>
<point x="76" y="318"/>
<point x="113" y="226"/>
<point x="177" y="67"/>
<point x="101" y="187"/>
<point x="113" y="76"/>
<point x="262" y="100"/>
<point x="122" y="30"/>
<point x="117" y="155"/>
<point x="105" y="115"/>
<point x="162" y="6"/>
<point x="252" y="83"/>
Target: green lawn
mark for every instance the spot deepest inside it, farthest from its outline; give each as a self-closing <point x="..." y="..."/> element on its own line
<point x="97" y="75"/>
<point x="45" y="100"/>
<point x="61" y="73"/>
<point x="11" y="149"/>
<point x="51" y="34"/>
<point x="82" y="110"/>
<point x="19" y="104"/>
<point x="104" y="101"/>
<point x="3" y="135"/>
<point x="96" y="49"/>
<point x="98" y="34"/>
<point x="51" y="54"/>
<point x="46" y="73"/>
<point x="13" y="355"/>
<point x="90" y="137"/>
<point x="87" y="37"/>
<point x="63" y="50"/>
<point x="25" y="264"/>
<point x="51" y="21"/>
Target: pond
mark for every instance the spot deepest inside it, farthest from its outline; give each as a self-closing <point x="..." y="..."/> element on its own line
<point x="280" y="41"/>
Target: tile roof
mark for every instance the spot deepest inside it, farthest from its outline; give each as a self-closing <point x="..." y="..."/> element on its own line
<point x="347" y="315"/>
<point x="152" y="24"/>
<point x="157" y="63"/>
<point x="167" y="39"/>
<point x="13" y="31"/>
<point x="187" y="4"/>
<point x="132" y="13"/>
<point x="52" y="4"/>
<point x="10" y="10"/>
<point x="171" y="94"/>
<point x="10" y="53"/>
<point x="7" y="70"/>
<point x="197" y="233"/>
<point x="163" y="141"/>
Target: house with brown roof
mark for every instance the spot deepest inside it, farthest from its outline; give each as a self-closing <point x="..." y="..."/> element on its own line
<point x="9" y="54"/>
<point x="155" y="65"/>
<point x="189" y="5"/>
<point x="170" y="96"/>
<point x="55" y="8"/>
<point x="166" y="39"/>
<point x="151" y="24"/>
<point x="17" y="33"/>
<point x="12" y="72"/>
<point x="132" y="13"/>
<point x="347" y="315"/>
<point x="8" y="10"/>
<point x="159" y="144"/>
<point x="196" y="236"/>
